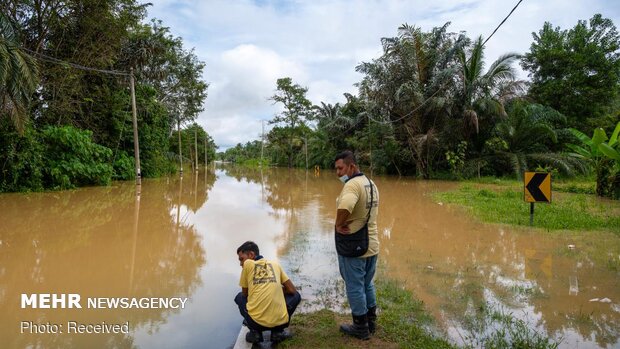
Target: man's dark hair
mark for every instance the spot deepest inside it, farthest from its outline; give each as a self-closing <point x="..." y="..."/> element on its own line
<point x="247" y="247"/>
<point x="346" y="156"/>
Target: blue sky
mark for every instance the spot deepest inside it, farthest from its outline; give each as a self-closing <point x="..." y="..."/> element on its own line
<point x="247" y="45"/>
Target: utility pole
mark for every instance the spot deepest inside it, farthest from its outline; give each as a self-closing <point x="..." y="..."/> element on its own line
<point x="370" y="142"/>
<point x="136" y="216"/>
<point x="306" y="149"/>
<point x="180" y="153"/>
<point x="136" y="146"/>
<point x="262" y="145"/>
<point x="196" y="146"/>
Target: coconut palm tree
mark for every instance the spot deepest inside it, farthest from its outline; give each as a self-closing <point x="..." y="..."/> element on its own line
<point x="327" y="114"/>
<point x="410" y="86"/>
<point x="18" y="76"/>
<point x="484" y="93"/>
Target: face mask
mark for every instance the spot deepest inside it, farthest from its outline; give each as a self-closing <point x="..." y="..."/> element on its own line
<point x="344" y="178"/>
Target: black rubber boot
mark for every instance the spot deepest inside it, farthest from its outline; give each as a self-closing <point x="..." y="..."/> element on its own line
<point x="372" y="319"/>
<point x="254" y="336"/>
<point x="278" y="336"/>
<point x="359" y="328"/>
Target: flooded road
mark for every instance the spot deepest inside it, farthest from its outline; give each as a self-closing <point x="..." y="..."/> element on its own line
<point x="178" y="238"/>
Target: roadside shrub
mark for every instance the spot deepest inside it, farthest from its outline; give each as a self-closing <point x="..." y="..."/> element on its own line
<point x="72" y="159"/>
<point x="608" y="180"/>
<point x="124" y="167"/>
<point x="21" y="160"/>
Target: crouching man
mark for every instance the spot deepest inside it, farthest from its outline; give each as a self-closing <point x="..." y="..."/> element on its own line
<point x="267" y="299"/>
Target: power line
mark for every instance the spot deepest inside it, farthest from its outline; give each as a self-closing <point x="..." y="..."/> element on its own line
<point x="433" y="95"/>
<point x="129" y="74"/>
<point x="502" y="22"/>
<point x="74" y="65"/>
<point x="416" y="108"/>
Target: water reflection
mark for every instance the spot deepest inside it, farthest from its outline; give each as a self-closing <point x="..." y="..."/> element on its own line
<point x="179" y="236"/>
<point x="462" y="269"/>
<point x="306" y="204"/>
<point x="97" y="242"/>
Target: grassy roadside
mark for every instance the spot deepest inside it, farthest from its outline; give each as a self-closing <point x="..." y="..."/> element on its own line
<point x="502" y="202"/>
<point x="402" y="323"/>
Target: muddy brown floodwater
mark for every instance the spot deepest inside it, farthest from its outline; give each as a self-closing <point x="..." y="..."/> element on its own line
<point x="178" y="238"/>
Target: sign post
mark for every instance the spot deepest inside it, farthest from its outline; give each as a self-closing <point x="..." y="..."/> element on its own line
<point x="537" y="188"/>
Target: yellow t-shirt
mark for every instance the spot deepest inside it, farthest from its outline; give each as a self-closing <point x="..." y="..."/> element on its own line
<point x="355" y="198"/>
<point x="263" y="279"/>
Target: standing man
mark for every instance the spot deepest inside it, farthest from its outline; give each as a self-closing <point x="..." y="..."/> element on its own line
<point x="267" y="299"/>
<point x="357" y="244"/>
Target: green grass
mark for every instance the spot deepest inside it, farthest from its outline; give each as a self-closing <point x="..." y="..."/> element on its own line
<point x="578" y="185"/>
<point x="402" y="323"/>
<point x="514" y="333"/>
<point x="492" y="327"/>
<point x="504" y="204"/>
<point x="501" y="181"/>
<point x="403" y="318"/>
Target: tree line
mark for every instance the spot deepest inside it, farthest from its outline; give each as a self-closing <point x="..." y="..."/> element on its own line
<point x="430" y="107"/>
<point x="65" y="108"/>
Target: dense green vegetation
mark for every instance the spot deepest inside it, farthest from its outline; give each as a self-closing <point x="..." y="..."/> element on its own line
<point x="576" y="71"/>
<point x="428" y="106"/>
<point x="65" y="103"/>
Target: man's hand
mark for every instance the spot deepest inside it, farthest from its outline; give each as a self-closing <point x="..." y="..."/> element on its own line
<point x="341" y="222"/>
<point x="343" y="229"/>
<point x="288" y="287"/>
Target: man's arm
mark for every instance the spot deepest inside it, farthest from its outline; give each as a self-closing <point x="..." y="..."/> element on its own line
<point x="341" y="221"/>
<point x="289" y="288"/>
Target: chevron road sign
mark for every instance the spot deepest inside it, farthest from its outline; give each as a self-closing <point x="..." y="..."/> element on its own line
<point x="537" y="187"/>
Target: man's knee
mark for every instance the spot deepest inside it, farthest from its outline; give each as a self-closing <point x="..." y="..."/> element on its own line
<point x="240" y="298"/>
<point x="356" y="291"/>
<point x="292" y="299"/>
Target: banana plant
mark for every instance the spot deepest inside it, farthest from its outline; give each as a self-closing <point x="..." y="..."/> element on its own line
<point x="604" y="154"/>
<point x="611" y="148"/>
<point x="589" y="150"/>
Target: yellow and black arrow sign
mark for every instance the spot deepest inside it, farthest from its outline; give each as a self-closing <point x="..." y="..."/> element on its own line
<point x="537" y="186"/>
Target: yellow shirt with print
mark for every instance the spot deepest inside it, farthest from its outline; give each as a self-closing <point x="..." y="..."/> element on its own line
<point x="355" y="198"/>
<point x="263" y="279"/>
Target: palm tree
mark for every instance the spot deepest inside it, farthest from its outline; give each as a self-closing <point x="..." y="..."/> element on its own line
<point x="18" y="76"/>
<point x="410" y="86"/>
<point x="484" y="93"/>
<point x="327" y="114"/>
<point x="321" y="149"/>
<point x="523" y="136"/>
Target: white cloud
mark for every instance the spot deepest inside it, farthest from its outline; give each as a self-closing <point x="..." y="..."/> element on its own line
<point x="242" y="80"/>
<point x="247" y="44"/>
<point x="246" y="76"/>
